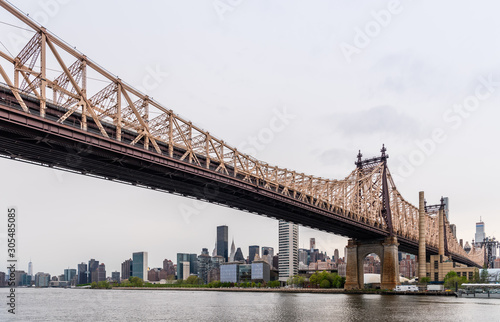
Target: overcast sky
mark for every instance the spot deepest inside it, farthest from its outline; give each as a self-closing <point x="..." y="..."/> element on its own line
<point x="421" y="77"/>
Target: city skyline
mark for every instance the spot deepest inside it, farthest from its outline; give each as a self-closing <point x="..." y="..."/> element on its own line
<point x="58" y="210"/>
<point x="148" y="264"/>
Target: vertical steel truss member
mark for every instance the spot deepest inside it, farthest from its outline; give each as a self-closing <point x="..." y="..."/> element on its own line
<point x="490" y="246"/>
<point x="367" y="195"/>
<point x="362" y="166"/>
<point x="445" y="224"/>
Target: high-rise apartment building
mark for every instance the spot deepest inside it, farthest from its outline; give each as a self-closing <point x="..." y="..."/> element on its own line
<point x="101" y="273"/>
<point x="288" y="250"/>
<point x="140" y="265"/>
<point x="252" y="251"/>
<point x="222" y="242"/>
<point x="127" y="269"/>
<point x="115" y="276"/>
<point x="168" y="267"/>
<point x="42" y="279"/>
<point x="204" y="265"/>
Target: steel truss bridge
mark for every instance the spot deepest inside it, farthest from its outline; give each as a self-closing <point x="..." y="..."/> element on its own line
<point x="67" y="122"/>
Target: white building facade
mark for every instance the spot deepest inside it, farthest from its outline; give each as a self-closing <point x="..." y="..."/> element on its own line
<point x="288" y="250"/>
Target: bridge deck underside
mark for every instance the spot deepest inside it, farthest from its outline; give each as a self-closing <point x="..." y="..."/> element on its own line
<point x="41" y="140"/>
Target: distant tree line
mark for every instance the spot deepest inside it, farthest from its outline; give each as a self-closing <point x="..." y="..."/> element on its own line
<point x="318" y="280"/>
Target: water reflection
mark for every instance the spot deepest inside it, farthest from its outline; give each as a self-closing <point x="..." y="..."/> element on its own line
<point x="115" y="305"/>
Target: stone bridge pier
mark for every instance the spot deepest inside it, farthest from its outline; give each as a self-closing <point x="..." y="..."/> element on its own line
<point x="386" y="250"/>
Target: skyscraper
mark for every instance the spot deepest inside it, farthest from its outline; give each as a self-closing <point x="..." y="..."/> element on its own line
<point x="69" y="273"/>
<point x="252" y="250"/>
<point x="312" y="244"/>
<point x="270" y="251"/>
<point x="336" y="255"/>
<point x="233" y="252"/>
<point x="30" y="268"/>
<point x="446" y="202"/>
<point x="82" y="274"/>
<point x="187" y="264"/>
<point x="204" y="265"/>
<point x="168" y="267"/>
<point x="140" y="265"/>
<point x="238" y="257"/>
<point x="267" y="255"/>
<point x="42" y="279"/>
<point x="101" y="273"/>
<point x="288" y="250"/>
<point x="92" y="275"/>
<point x="222" y="242"/>
<point x="480" y="235"/>
<point x="115" y="276"/>
<point x="127" y="269"/>
<point x="304" y="256"/>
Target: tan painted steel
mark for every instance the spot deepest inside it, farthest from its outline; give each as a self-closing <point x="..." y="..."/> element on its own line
<point x="421" y="236"/>
<point x="358" y="196"/>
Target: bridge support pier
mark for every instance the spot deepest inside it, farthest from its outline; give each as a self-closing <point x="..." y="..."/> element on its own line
<point x="386" y="250"/>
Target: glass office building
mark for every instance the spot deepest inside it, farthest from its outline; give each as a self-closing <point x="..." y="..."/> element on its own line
<point x="229" y="273"/>
<point x="140" y="265"/>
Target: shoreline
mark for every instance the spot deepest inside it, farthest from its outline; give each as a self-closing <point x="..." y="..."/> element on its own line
<point x="287" y="290"/>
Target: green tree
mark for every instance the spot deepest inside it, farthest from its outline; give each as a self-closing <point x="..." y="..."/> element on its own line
<point x="475" y="278"/>
<point x="484" y="275"/>
<point x="424" y="280"/>
<point x="136" y="281"/>
<point x="450" y="275"/>
<point x="313" y="280"/>
<point x="194" y="280"/>
<point x="338" y="281"/>
<point x="273" y="284"/>
<point x="451" y="280"/>
<point x="325" y="283"/>
<point x="103" y="284"/>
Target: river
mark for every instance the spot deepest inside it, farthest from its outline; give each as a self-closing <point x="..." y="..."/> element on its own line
<point x="158" y="305"/>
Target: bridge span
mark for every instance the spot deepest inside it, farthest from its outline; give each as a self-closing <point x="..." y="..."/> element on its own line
<point x="107" y="132"/>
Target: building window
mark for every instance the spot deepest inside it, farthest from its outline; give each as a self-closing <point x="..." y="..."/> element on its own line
<point x="471" y="275"/>
<point x="436" y="264"/>
<point x="436" y="276"/>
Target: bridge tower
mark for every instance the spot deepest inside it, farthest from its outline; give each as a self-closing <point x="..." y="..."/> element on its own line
<point x="386" y="249"/>
<point x="422" y="272"/>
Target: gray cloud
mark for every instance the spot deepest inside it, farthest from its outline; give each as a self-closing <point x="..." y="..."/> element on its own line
<point x="378" y="119"/>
